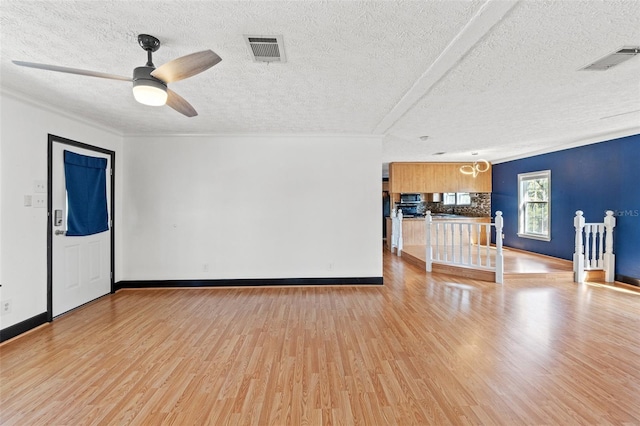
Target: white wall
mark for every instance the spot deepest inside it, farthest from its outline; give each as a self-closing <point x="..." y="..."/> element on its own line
<point x="191" y="201"/>
<point x="23" y="230"/>
<point x="210" y="207"/>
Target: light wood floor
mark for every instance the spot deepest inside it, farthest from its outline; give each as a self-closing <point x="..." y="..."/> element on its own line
<point x="422" y="349"/>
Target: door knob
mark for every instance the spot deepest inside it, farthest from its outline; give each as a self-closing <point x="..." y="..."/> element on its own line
<point x="59" y="232"/>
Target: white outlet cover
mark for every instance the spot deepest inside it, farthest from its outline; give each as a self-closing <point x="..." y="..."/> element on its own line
<point x="27" y="201"/>
<point x="39" y="201"/>
<point x="39" y="186"/>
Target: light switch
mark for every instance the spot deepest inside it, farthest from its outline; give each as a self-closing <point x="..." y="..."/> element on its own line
<point x="27" y="200"/>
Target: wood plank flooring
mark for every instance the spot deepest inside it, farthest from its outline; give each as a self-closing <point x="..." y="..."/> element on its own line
<point x="422" y="349"/>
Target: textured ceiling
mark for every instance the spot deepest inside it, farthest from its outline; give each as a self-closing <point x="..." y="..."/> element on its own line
<point x="500" y="78"/>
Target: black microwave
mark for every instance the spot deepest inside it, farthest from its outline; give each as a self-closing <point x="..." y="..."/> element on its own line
<point x="410" y="198"/>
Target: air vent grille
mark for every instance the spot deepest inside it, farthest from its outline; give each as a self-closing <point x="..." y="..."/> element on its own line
<point x="613" y="59"/>
<point x="266" y="48"/>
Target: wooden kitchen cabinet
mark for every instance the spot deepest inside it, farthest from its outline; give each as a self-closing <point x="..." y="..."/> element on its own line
<point x="435" y="177"/>
<point x="469" y="183"/>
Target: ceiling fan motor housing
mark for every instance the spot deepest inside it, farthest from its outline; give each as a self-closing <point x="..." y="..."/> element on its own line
<point x="142" y="75"/>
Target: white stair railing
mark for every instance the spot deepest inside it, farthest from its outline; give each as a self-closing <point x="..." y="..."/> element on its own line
<point x="466" y="244"/>
<point x="396" y="231"/>
<point x="594" y="247"/>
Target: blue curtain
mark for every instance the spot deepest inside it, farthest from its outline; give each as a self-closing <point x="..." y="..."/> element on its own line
<point x="86" y="182"/>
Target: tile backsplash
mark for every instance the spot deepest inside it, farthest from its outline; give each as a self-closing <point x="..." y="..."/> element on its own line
<point x="480" y="206"/>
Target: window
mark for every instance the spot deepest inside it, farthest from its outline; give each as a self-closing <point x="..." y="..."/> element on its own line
<point x="534" y="199"/>
<point x="85" y="179"/>
<point x="456" y="199"/>
<point x="449" y="198"/>
<point x="463" y="199"/>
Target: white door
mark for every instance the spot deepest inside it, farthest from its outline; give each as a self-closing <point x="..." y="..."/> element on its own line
<point x="81" y="266"/>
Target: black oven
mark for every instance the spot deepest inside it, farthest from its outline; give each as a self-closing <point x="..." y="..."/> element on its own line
<point x="408" y="210"/>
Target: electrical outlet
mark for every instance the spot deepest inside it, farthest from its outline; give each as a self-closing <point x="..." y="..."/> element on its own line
<point x="39" y="186"/>
<point x="39" y="201"/>
<point x="205" y="267"/>
<point x="5" y="307"/>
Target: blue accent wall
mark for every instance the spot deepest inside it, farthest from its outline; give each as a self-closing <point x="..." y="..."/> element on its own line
<point x="592" y="178"/>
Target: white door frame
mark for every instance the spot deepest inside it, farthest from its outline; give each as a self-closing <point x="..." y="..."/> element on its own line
<point x="112" y="154"/>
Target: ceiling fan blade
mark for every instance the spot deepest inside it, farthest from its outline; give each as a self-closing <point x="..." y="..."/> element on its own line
<point x="72" y="70"/>
<point x="178" y="103"/>
<point x="186" y="66"/>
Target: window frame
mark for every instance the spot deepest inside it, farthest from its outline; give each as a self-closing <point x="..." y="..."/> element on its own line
<point x="522" y="204"/>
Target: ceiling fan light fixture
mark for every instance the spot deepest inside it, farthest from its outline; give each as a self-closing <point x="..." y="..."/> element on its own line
<point x="149" y="93"/>
<point x="148" y="90"/>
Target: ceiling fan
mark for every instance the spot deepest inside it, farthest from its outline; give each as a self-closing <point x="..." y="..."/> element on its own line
<point x="149" y="82"/>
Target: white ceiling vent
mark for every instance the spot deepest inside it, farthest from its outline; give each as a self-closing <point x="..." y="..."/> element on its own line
<point x="613" y="59"/>
<point x="266" y="48"/>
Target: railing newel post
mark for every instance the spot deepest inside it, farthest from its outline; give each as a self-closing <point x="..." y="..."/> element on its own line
<point x="428" y="220"/>
<point x="578" y="254"/>
<point x="400" y="240"/>
<point x="499" y="253"/>
<point x="609" y="257"/>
